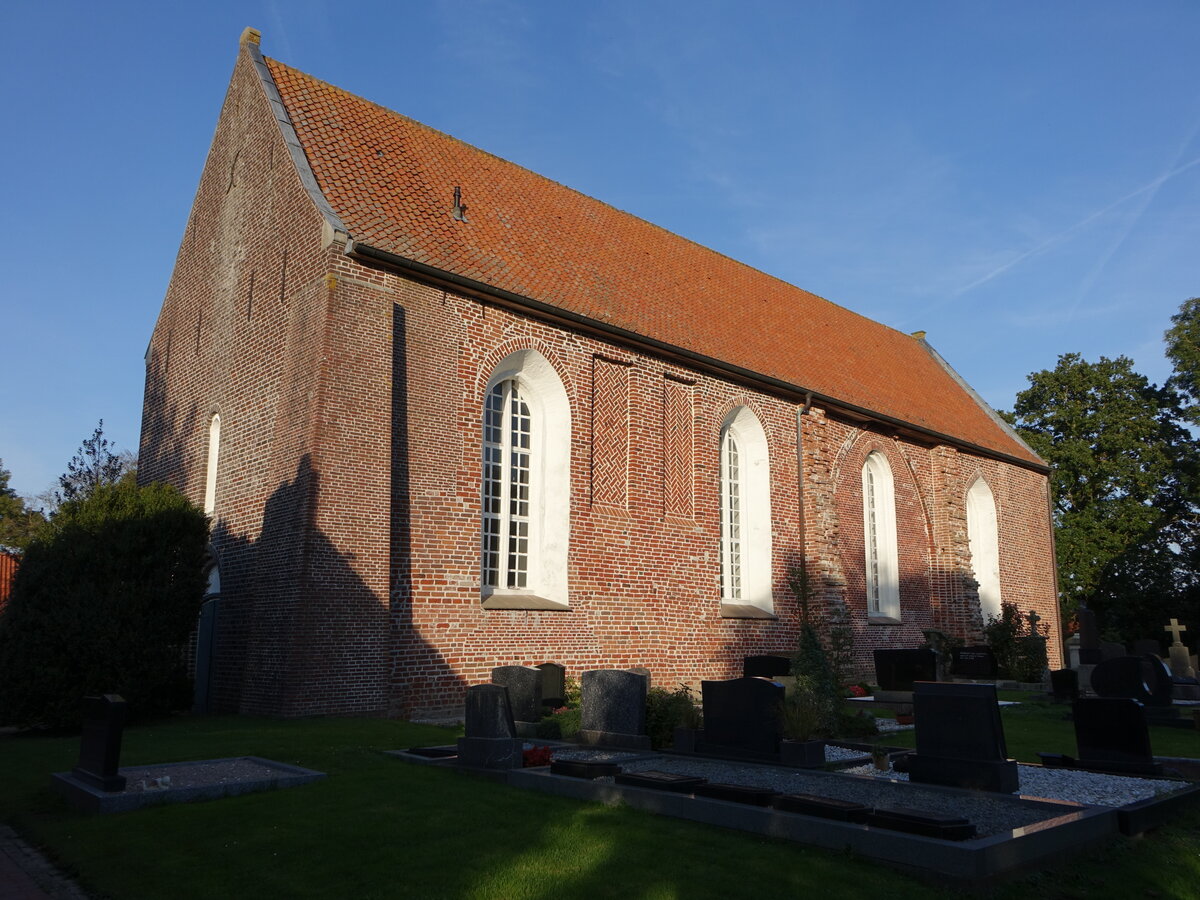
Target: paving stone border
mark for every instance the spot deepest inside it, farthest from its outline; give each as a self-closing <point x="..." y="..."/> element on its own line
<point x="206" y="779"/>
<point x="47" y="877"/>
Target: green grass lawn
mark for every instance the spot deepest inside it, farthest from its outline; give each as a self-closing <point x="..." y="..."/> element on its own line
<point x="379" y="827"/>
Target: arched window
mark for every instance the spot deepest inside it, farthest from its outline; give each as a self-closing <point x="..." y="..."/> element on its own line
<point x="214" y="453"/>
<point x="879" y="538"/>
<point x="984" y="536"/>
<point x="525" y="485"/>
<point x="745" y="512"/>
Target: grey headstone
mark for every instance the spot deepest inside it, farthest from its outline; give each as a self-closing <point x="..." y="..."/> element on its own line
<point x="613" y="708"/>
<point x="490" y="741"/>
<point x="100" y="744"/>
<point x="524" y="685"/>
<point x="644" y="672"/>
<point x="1181" y="662"/>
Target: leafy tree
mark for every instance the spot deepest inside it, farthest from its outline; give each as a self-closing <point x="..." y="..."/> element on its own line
<point x="94" y="464"/>
<point x="1122" y="473"/>
<point x="17" y="522"/>
<point x="104" y="601"/>
<point x="1183" y="349"/>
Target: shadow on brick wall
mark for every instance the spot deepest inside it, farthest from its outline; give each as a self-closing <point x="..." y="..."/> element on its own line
<point x="162" y="452"/>
<point x="298" y="631"/>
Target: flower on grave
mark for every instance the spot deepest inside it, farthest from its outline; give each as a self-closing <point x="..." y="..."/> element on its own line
<point x="536" y="756"/>
<point x="857" y="690"/>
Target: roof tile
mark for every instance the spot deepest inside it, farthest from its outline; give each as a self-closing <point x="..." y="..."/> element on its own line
<point x="392" y="180"/>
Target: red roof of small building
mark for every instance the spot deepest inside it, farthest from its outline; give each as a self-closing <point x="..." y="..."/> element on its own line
<point x="391" y="181"/>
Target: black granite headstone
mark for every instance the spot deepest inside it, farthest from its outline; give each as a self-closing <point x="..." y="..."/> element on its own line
<point x="1111" y="735"/>
<point x="1064" y="685"/>
<point x="613" y="709"/>
<point x="899" y="670"/>
<point x="554" y="684"/>
<point x="743" y="714"/>
<point x="524" y="685"/>
<point x="1089" y="637"/>
<point x="918" y="821"/>
<point x="488" y="712"/>
<point x="736" y="793"/>
<point x="1147" y="646"/>
<point x="584" y="768"/>
<point x="661" y="781"/>
<point x="1142" y="678"/>
<point x="1112" y="650"/>
<point x="974" y="662"/>
<point x="100" y="745"/>
<point x="960" y="738"/>
<point x="766" y="666"/>
<point x="489" y="739"/>
<point x="823" y="807"/>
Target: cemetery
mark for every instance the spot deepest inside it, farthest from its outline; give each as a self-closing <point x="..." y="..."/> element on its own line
<point x="957" y="805"/>
<point x="941" y="798"/>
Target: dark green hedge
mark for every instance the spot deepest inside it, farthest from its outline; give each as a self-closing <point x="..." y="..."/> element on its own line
<point x="105" y="599"/>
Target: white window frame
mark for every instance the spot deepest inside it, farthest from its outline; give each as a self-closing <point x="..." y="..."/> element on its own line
<point x="547" y="511"/>
<point x="983" y="534"/>
<point x="881" y="556"/>
<point x="745" y="512"/>
<point x="214" y="455"/>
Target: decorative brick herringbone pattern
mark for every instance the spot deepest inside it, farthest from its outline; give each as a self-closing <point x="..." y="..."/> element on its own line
<point x="677" y="449"/>
<point x="610" y="433"/>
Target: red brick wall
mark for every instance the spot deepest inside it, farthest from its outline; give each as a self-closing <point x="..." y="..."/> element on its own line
<point x="347" y="520"/>
<point x="8" y="571"/>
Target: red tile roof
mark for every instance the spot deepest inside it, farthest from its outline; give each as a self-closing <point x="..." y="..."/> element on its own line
<point x="391" y="181"/>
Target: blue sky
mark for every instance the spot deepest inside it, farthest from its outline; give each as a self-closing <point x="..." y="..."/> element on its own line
<point x="1018" y="179"/>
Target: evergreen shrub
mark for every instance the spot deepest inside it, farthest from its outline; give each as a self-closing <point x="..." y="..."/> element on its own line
<point x="104" y="602"/>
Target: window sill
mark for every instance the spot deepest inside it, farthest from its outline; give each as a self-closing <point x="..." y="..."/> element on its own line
<point x="882" y="620"/>
<point x="745" y="611"/>
<point x="522" y="601"/>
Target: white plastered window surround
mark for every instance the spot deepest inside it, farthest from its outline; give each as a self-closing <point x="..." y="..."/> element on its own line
<point x="745" y="517"/>
<point x="879" y="540"/>
<point x="214" y="454"/>
<point x="984" y="537"/>
<point x="525" y="494"/>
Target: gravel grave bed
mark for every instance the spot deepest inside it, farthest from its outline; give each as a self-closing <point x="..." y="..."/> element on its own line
<point x="201" y="774"/>
<point x="1070" y="785"/>
<point x="989" y="813"/>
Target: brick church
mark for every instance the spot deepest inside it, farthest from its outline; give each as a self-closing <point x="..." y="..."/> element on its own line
<point x="447" y="414"/>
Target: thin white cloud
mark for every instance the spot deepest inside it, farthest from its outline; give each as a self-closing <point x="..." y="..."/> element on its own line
<point x="1089" y="280"/>
<point x="1057" y="239"/>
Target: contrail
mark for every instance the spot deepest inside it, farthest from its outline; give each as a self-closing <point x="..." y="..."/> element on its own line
<point x="1067" y="232"/>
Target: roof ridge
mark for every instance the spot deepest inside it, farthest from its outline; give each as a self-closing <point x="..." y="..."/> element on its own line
<point x="624" y="212"/>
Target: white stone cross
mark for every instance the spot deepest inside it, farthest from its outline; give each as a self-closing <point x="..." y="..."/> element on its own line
<point x="1175" y="628"/>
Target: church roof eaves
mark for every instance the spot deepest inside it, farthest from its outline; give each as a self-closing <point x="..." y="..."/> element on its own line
<point x="387" y="181"/>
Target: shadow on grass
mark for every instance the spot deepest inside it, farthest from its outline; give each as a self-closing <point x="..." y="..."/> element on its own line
<point x="379" y="827"/>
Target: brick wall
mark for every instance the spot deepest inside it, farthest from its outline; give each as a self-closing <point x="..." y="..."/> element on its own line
<point x="348" y="494"/>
